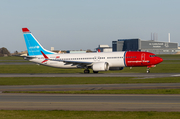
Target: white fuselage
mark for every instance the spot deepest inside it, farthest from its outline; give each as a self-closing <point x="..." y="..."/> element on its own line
<point x="114" y="59"/>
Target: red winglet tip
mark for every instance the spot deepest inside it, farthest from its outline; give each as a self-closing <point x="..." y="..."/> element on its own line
<point x="46" y="57"/>
<point x="25" y="30"/>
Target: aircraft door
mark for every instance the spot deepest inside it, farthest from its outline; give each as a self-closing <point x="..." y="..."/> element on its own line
<point x="143" y="57"/>
<point x="96" y="58"/>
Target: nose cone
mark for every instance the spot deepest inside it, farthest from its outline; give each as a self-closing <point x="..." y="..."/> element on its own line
<point x="159" y="60"/>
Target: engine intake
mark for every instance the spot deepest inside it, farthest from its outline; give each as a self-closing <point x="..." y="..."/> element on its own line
<point x="100" y="66"/>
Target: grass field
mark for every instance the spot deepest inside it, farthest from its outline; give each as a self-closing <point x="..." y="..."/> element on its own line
<point x="11" y="58"/>
<point x="9" y="61"/>
<point x="170" y="57"/>
<point x="167" y="67"/>
<point x="82" y="80"/>
<point x="5" y="114"/>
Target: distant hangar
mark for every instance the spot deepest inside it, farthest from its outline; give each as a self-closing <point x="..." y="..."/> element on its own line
<point x="148" y="46"/>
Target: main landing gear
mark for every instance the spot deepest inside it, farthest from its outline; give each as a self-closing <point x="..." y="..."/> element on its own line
<point x="87" y="71"/>
<point x="95" y="72"/>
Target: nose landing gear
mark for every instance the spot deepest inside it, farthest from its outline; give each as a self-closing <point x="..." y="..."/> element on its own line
<point x="148" y="70"/>
<point x="87" y="71"/>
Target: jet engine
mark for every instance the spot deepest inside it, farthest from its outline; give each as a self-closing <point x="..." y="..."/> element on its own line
<point x="100" y="66"/>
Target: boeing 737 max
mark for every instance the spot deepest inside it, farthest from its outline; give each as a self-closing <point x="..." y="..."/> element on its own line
<point x="100" y="61"/>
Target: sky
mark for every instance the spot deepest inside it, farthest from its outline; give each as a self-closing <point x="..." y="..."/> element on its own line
<point x="85" y="24"/>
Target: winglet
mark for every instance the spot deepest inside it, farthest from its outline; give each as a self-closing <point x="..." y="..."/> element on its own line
<point x="25" y="30"/>
<point x="46" y="57"/>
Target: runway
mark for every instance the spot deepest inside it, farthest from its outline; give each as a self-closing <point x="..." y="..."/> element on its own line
<point x="90" y="87"/>
<point x="142" y="75"/>
<point x="100" y="102"/>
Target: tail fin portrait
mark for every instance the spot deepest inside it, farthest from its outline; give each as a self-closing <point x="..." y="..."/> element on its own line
<point x="33" y="46"/>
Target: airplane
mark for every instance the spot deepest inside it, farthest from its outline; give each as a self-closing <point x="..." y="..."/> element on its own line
<point x="98" y="61"/>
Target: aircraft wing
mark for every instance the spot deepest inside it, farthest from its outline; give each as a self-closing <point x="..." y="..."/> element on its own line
<point x="28" y="57"/>
<point x="80" y="63"/>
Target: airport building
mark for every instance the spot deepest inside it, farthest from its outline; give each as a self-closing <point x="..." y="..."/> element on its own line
<point x="148" y="46"/>
<point x="104" y="48"/>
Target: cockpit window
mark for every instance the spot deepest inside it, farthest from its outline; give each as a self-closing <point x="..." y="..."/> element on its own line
<point x="152" y="55"/>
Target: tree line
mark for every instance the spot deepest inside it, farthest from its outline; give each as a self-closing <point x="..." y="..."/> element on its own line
<point x="4" y="52"/>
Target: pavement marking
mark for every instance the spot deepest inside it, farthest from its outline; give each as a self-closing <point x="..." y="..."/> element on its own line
<point x="15" y="102"/>
<point x="176" y="75"/>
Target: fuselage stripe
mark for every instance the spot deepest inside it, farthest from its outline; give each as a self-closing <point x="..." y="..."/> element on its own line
<point x="125" y="58"/>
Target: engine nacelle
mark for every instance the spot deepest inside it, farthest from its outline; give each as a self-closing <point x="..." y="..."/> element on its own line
<point x="100" y="66"/>
<point x="116" y="68"/>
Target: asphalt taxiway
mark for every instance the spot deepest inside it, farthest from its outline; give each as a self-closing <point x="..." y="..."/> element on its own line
<point x="90" y="87"/>
<point x="93" y="102"/>
<point x="144" y="75"/>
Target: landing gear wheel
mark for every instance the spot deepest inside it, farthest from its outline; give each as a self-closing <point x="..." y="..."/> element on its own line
<point x="86" y="71"/>
<point x="148" y="71"/>
<point x="95" y="72"/>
